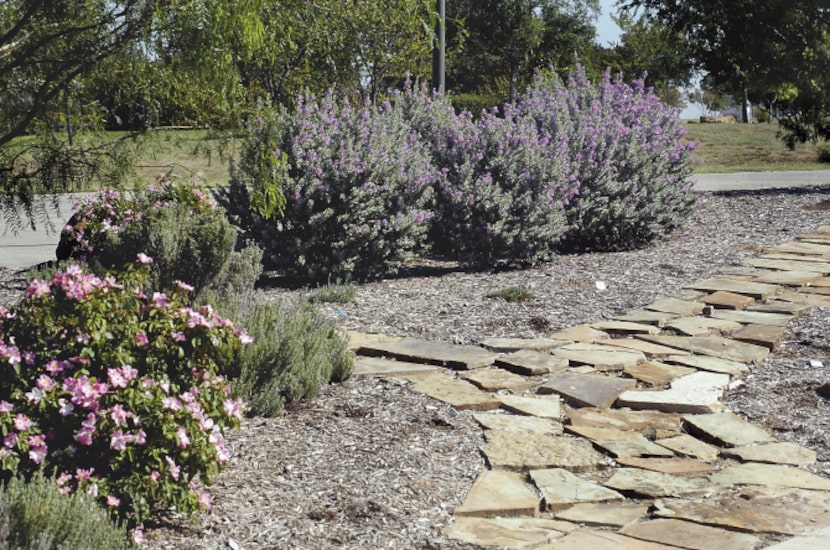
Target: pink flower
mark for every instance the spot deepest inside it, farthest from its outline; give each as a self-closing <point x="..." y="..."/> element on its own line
<point x="245" y="338"/>
<point x="22" y="422"/>
<point x="160" y="299"/>
<point x="6" y="407"/>
<point x="10" y="440"/>
<point x="140" y="437"/>
<point x="37" y="453"/>
<point x="119" y="415"/>
<point x="174" y="468"/>
<point x="66" y="407"/>
<point x="113" y="501"/>
<point x="54" y="367"/>
<point x="83" y="475"/>
<point x="44" y="382"/>
<point x="171" y="403"/>
<point x="179" y="336"/>
<point x="84" y="436"/>
<point x="233" y="408"/>
<point x="184" y="286"/>
<point x="181" y="437"/>
<point x="138" y="534"/>
<point x="204" y="500"/>
<point x="116" y="378"/>
<point x="38" y="288"/>
<point x="144" y="258"/>
<point x="141" y="339"/>
<point x="154" y="476"/>
<point x="120" y="440"/>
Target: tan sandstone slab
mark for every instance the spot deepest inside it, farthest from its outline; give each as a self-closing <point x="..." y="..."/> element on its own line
<point x="671" y="466"/>
<point x="599" y="356"/>
<point x="758" y="291"/>
<point x="800" y="258"/>
<point x="624" y="419"/>
<point x="461" y="395"/>
<point x="532" y="363"/>
<point x="768" y="336"/>
<point x="657" y="374"/>
<point x="812" y="300"/>
<point x="499" y="493"/>
<point x="814" y="540"/>
<point x="821" y="282"/>
<point x="802" y="248"/>
<point x="753" y="317"/>
<point x="609" y="514"/>
<point x="625" y="327"/>
<point x="518" y="452"/>
<point x="726" y="429"/>
<point x="755" y="510"/>
<point x="600" y="540"/>
<point x="657" y="484"/>
<point x="770" y="475"/>
<point x="494" y="379"/>
<point x="686" y="445"/>
<point x="580" y="333"/>
<point x="657" y="318"/>
<point x="677" y="306"/>
<point x="727" y="300"/>
<point x="561" y="489"/>
<point x="702" y="326"/>
<point x="791" y="265"/>
<point x="699" y="392"/>
<point x="649" y="349"/>
<point x="788" y="278"/>
<point x="377" y="366"/>
<point x="620" y="443"/>
<point x="586" y="390"/>
<point x="707" y="363"/>
<point x="773" y="453"/>
<point x="542" y="407"/>
<point x="715" y="346"/>
<point x="507" y="532"/>
<point x="359" y="339"/>
<point x="693" y="536"/>
<point x="817" y="237"/>
<point x="779" y="306"/>
<point x="433" y="353"/>
<point x="820" y="290"/>
<point x="506" y="345"/>
<point x="532" y="425"/>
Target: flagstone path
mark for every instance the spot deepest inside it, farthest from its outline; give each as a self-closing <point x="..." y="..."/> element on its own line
<point x="614" y="434"/>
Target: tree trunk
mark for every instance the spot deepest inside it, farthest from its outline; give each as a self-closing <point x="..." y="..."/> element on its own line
<point x="514" y="80"/>
<point x="745" y="106"/>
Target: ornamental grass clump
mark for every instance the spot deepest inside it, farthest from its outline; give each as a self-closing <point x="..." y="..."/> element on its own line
<point x="117" y="392"/>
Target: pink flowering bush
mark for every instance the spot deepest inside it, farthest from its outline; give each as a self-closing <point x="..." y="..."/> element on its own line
<point x="117" y="392"/>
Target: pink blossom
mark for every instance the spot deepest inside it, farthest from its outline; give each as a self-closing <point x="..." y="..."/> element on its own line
<point x="154" y="476"/>
<point x="171" y="403"/>
<point x="184" y="286"/>
<point x="141" y="339"/>
<point x="66" y="407"/>
<point x="245" y="338"/>
<point x="144" y="258"/>
<point x="55" y="367"/>
<point x="120" y="440"/>
<point x="181" y="437"/>
<point x="44" y="382"/>
<point x="160" y="299"/>
<point x="116" y="378"/>
<point x="83" y="475"/>
<point x="138" y="534"/>
<point x="233" y="408"/>
<point x="205" y="500"/>
<point x="84" y="436"/>
<point x="174" y="468"/>
<point x="5" y="453"/>
<point x="113" y="501"/>
<point x="179" y="336"/>
<point x="22" y="422"/>
<point x="119" y="415"/>
<point x="10" y="440"/>
<point x="6" y="407"/>
<point x="92" y="489"/>
<point x="140" y="437"/>
<point x="37" y="453"/>
<point x="34" y="396"/>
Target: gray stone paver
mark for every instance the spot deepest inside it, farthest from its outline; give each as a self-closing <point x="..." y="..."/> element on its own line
<point x="586" y="390"/>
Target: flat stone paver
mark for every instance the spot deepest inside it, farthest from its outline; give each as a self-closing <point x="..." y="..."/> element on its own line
<point x="620" y="443"/>
<point x="499" y="493"/>
<point x="517" y="452"/>
<point x="461" y="395"/>
<point x="649" y="349"/>
<point x="773" y="453"/>
<point x="494" y="379"/>
<point x="702" y="326"/>
<point x="707" y="363"/>
<point x="699" y="392"/>
<point x="727" y="300"/>
<point x="651" y="484"/>
<point x="677" y="306"/>
<point x="791" y="265"/>
<point x="816" y="540"/>
<point x="803" y="248"/>
<point x="686" y="445"/>
<point x="758" y="291"/>
<point x="542" y="407"/>
<point x="610" y="514"/>
<point x="531" y="363"/>
<point x="580" y="333"/>
<point x="726" y="429"/>
<point x="778" y="306"/>
<point x="599" y="356"/>
<point x="693" y="536"/>
<point x="753" y="317"/>
<point x="643" y="316"/>
<point x="624" y="419"/>
<point x="599" y="540"/>
<point x="671" y="466"/>
<point x="378" y="366"/>
<point x="812" y="300"/>
<point x="433" y="353"/>
<point x="656" y="373"/>
<point x="770" y="475"/>
<point x="561" y="489"/>
<point x="768" y="336"/>
<point x="788" y="278"/>
<point x="507" y="345"/>
<point x="531" y="425"/>
<point x="358" y="339"/>
<point x="625" y="327"/>
<point x="507" y="532"/>
<point x="715" y="346"/>
<point x="586" y="390"/>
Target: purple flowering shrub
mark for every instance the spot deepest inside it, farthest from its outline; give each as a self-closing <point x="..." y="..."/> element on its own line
<point x="120" y="394"/>
<point x="629" y="170"/>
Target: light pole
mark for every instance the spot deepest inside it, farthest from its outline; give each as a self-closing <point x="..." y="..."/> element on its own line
<point x="439" y="50"/>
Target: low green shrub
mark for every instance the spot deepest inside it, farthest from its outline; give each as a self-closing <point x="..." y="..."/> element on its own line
<point x="332" y="293"/>
<point x="36" y="515"/>
<point x="295" y="351"/>
<point x="516" y="294"/>
<point x="476" y="104"/>
<point x="823" y="151"/>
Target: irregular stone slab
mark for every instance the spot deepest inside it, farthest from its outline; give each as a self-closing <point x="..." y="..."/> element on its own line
<point x="531" y="425"/>
<point x="821" y="290"/>
<point x="770" y="475"/>
<point x="625" y="327"/>
<point x="433" y="353"/>
<point x="677" y="306"/>
<point x="611" y="514"/>
<point x="377" y="366"/>
<point x="561" y="489"/>
<point x="788" y="278"/>
<point x="702" y="326"/>
<point x="727" y="300"/>
<point x="777" y="306"/>
<point x="492" y="379"/>
<point x="687" y="445"/>
<point x="821" y="281"/>
<point x="620" y="443"/>
<point x="790" y="256"/>
<point x="506" y="345"/>
<point x="820" y="238"/>
<point x="599" y="540"/>
<point x="742" y="272"/>
<point x="699" y="392"/>
<point x="461" y="395"/>
<point x="753" y="317"/>
<point x="657" y="374"/>
<point x="657" y="318"/>
<point x="807" y="299"/>
<point x="802" y="248"/>
<point x="671" y="466"/>
<point x="758" y="291"/>
<point x="580" y="333"/>
<point x="790" y="265"/>
<point x="656" y="484"/>
<point x="518" y="452"/>
<point x="816" y="540"/>
<point x="823" y="229"/>
<point x="542" y="407"/>
<point x="586" y="390"/>
<point x="755" y="509"/>
<point x="650" y="350"/>
<point x="685" y="534"/>
<point x="499" y="493"/>
<point x="531" y="363"/>
<point x="689" y="294"/>
<point x="761" y="335"/>
<point x="715" y="346"/>
<point x="624" y="419"/>
<point x="711" y="364"/>
<point x="582" y="369"/>
<point x="726" y="429"/>
<point x="359" y="339"/>
<point x="507" y="532"/>
<point x="773" y="453"/>
<point x="599" y="356"/>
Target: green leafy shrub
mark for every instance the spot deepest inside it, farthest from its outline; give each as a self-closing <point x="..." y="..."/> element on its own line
<point x="823" y="152"/>
<point x="295" y="351"/>
<point x="120" y="393"/>
<point x="332" y="293"/>
<point x="516" y="294"/>
<point x="476" y="104"/>
<point x="35" y="515"/>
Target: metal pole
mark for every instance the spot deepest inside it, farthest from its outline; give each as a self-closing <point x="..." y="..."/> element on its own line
<point x="439" y="51"/>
